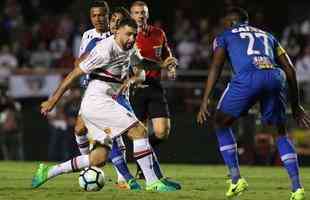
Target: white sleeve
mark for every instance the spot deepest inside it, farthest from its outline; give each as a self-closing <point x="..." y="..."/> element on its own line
<point x="82" y="46"/>
<point x="97" y="58"/>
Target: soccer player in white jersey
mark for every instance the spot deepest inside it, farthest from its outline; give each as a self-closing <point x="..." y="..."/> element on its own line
<point x="105" y="119"/>
<point x="98" y="16"/>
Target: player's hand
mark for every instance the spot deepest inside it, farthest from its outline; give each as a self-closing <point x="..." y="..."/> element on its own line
<point x="47" y="106"/>
<point x="172" y="73"/>
<point x="302" y="118"/>
<point x="125" y="86"/>
<point x="169" y="62"/>
<point x="203" y="114"/>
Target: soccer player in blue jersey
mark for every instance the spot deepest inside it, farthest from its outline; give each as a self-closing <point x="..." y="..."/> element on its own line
<point x="263" y="73"/>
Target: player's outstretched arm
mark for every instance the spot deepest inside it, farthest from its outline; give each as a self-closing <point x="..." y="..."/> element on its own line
<point x="215" y="70"/>
<point x="48" y="105"/>
<point x="299" y="113"/>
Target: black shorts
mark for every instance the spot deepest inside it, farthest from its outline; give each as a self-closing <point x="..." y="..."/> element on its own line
<point x="149" y="102"/>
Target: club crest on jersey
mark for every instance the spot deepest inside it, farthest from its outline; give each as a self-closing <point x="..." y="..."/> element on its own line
<point x="158" y="51"/>
<point x="107" y="130"/>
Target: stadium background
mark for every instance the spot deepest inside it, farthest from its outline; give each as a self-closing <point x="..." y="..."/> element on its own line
<point x="38" y="43"/>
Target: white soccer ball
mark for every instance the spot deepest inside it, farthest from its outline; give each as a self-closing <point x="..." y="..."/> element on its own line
<point x="91" y="179"/>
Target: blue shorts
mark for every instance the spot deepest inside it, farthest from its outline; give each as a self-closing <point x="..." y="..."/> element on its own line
<point x="123" y="101"/>
<point x="268" y="87"/>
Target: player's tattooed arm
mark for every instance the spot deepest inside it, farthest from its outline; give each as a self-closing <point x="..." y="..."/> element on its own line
<point x="138" y="77"/>
<point x="215" y="71"/>
<point x="48" y="105"/>
<point x="299" y="113"/>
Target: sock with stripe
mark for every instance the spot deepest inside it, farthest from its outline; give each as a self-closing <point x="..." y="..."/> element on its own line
<point x="290" y="160"/>
<point x="117" y="158"/>
<point x="144" y="156"/>
<point x="73" y="165"/>
<point x="228" y="148"/>
<point x="83" y="144"/>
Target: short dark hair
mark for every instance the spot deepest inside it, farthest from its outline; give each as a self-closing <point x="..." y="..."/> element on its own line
<point x="101" y="3"/>
<point x="122" y="11"/>
<point x="240" y="12"/>
<point x="128" y="22"/>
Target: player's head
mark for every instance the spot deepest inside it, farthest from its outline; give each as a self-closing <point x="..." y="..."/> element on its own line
<point x="140" y="13"/>
<point x="234" y="16"/>
<point x="126" y="33"/>
<point x="117" y="15"/>
<point x="99" y="15"/>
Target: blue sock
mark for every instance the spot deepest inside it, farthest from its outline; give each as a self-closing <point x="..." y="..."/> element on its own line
<point x="228" y="148"/>
<point x="290" y="161"/>
<point x="119" y="162"/>
<point x="156" y="166"/>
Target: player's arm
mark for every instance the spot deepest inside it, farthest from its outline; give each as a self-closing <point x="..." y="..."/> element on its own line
<point x="137" y="78"/>
<point x="139" y="75"/>
<point x="289" y="69"/>
<point x="215" y="71"/>
<point x="62" y="88"/>
<point x="299" y="114"/>
<point x="169" y="62"/>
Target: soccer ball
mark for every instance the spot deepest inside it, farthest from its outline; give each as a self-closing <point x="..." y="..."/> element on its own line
<point x="91" y="179"/>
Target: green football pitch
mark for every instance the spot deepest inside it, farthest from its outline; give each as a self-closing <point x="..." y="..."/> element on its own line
<point x="198" y="182"/>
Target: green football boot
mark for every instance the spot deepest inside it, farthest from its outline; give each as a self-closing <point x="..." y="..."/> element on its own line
<point x="159" y="186"/>
<point x="171" y="183"/>
<point x="40" y="176"/>
<point x="298" y="194"/>
<point x="236" y="189"/>
<point x="134" y="185"/>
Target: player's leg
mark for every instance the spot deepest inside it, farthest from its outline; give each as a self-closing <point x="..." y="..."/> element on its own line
<point x="235" y="101"/>
<point x="143" y="154"/>
<point x="158" y="112"/>
<point x="97" y="157"/>
<point x="81" y="138"/>
<point x="139" y="101"/>
<point x="273" y="104"/>
<point x="228" y="148"/>
<point x="290" y="162"/>
<point x="118" y="158"/>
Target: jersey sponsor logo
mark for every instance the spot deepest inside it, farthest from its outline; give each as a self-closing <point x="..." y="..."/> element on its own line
<point x="107" y="130"/>
<point x="262" y="62"/>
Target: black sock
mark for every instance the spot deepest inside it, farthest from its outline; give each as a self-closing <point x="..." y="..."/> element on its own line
<point x="154" y="140"/>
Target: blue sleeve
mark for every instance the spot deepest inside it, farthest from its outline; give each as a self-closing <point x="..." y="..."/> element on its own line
<point x="219" y="41"/>
<point x="91" y="45"/>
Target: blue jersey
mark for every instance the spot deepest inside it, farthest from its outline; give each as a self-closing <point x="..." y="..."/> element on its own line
<point x="249" y="48"/>
<point x="258" y="78"/>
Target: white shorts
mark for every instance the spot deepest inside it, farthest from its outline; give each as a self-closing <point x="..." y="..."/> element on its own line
<point x="104" y="118"/>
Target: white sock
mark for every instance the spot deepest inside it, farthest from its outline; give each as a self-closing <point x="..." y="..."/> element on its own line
<point x="143" y="154"/>
<point x="73" y="165"/>
<point x="83" y="143"/>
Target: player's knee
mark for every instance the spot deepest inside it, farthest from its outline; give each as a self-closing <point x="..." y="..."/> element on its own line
<point x="79" y="128"/>
<point x="137" y="132"/>
<point x="99" y="156"/>
<point x="162" y="132"/>
<point x="222" y="120"/>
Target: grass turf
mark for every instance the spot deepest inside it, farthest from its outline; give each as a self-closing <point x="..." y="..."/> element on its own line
<point x="198" y="182"/>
